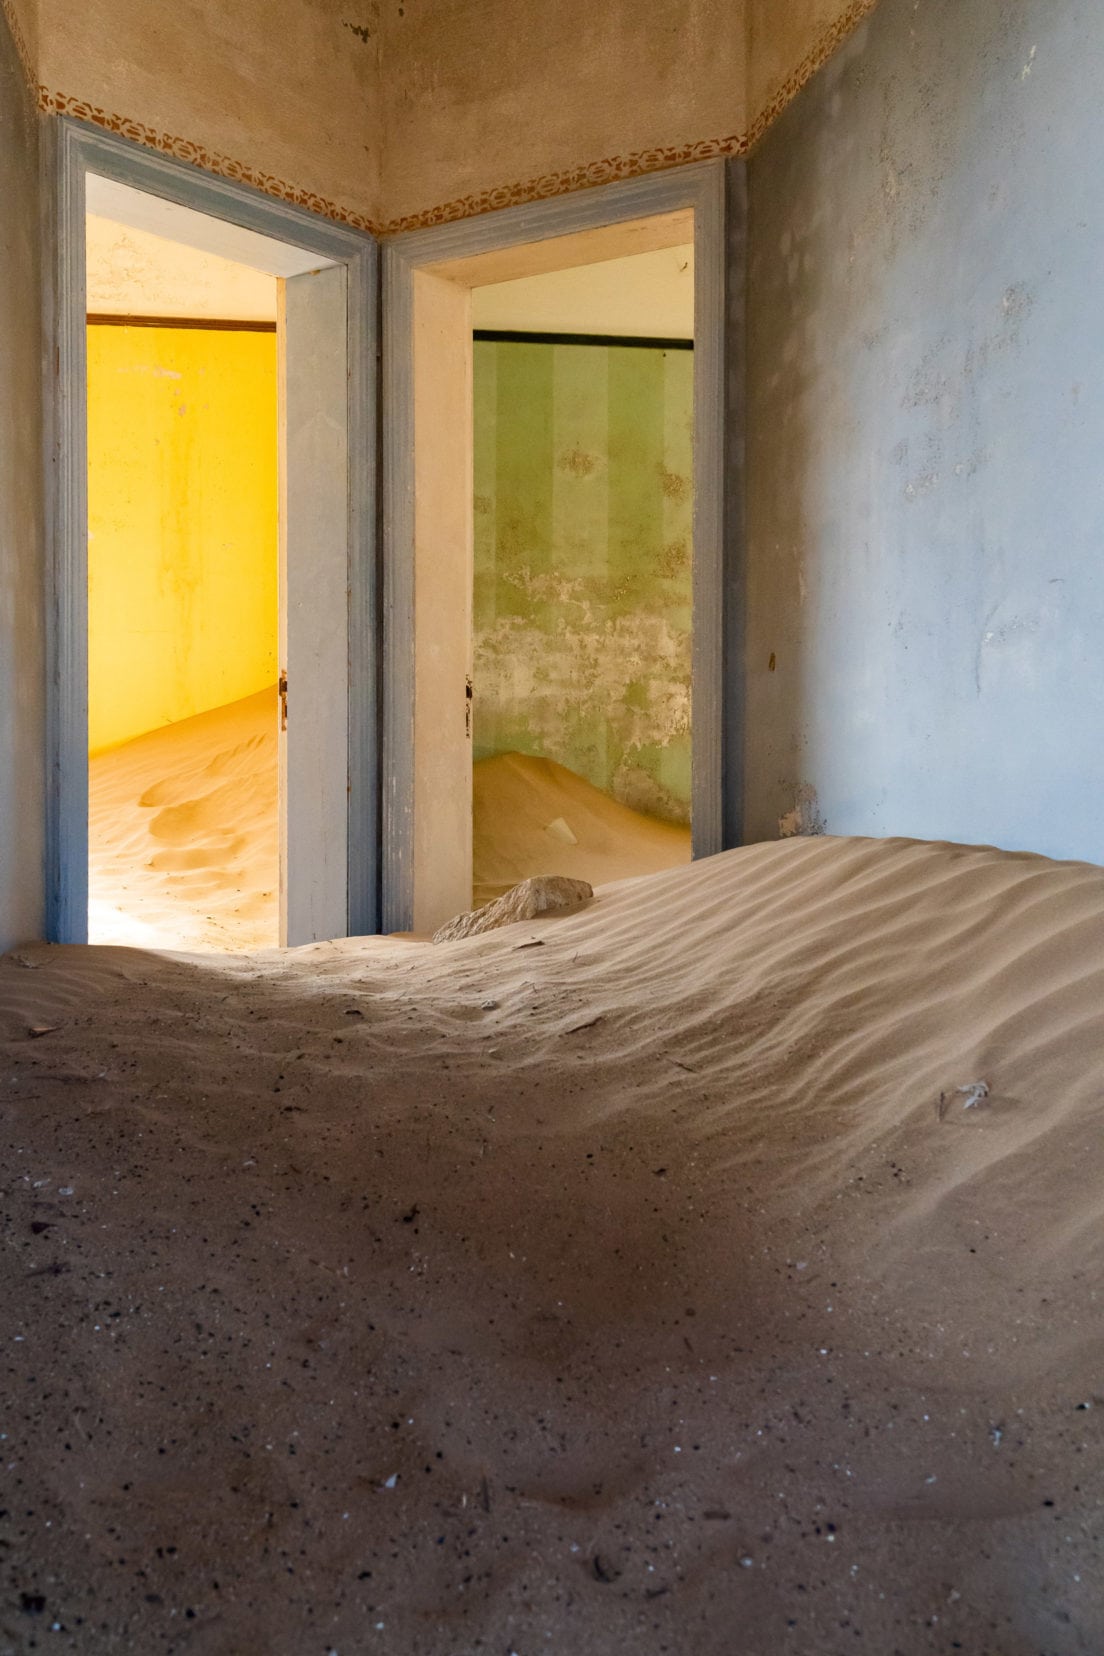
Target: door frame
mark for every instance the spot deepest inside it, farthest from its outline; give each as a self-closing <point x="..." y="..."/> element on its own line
<point x="700" y="187"/>
<point x="74" y="150"/>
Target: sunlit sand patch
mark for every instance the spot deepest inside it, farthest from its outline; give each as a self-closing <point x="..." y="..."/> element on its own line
<point x="183" y="849"/>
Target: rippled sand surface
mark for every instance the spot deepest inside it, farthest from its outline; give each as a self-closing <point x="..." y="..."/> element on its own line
<point x="639" y="1280"/>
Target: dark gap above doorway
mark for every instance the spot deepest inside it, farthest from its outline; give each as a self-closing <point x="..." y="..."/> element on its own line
<point x="517" y="336"/>
<point x="101" y="319"/>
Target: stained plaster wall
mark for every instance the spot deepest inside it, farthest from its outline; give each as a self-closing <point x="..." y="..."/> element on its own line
<point x="583" y="505"/>
<point x="423" y="108"/>
<point x="22" y="584"/>
<point x="22" y="18"/>
<point x="484" y="96"/>
<point x="925" y="586"/>
<point x="285" y="91"/>
<point x="497" y="102"/>
<point x="781" y="40"/>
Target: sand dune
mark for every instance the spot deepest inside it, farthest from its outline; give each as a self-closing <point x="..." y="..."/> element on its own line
<point x="625" y="1292"/>
<point x="532" y="816"/>
<point x="183" y="832"/>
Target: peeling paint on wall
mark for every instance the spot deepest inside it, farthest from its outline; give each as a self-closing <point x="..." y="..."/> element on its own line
<point x="804" y="816"/>
<point x="583" y="518"/>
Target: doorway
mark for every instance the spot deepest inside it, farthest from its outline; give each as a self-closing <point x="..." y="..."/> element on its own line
<point x="429" y="281"/>
<point x="183" y="612"/>
<point x="583" y="383"/>
<point x="315" y="589"/>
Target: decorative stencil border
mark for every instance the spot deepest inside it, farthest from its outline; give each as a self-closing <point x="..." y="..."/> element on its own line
<point x="183" y="149"/>
<point x="647" y="161"/>
<point x="826" y="46"/>
<point x="591" y="173"/>
<point x="540" y="188"/>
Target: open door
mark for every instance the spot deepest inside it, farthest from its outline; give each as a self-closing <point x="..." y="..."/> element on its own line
<point x="428" y="505"/>
<point x="314" y="600"/>
<point x="442" y="601"/>
<point x="329" y="603"/>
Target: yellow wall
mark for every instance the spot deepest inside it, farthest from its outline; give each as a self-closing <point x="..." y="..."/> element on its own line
<point x="182" y="518"/>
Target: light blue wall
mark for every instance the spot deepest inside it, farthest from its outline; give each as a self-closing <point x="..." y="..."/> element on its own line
<point x="926" y="434"/>
<point x="22" y="585"/>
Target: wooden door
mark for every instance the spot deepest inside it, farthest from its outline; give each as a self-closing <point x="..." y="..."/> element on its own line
<point x="314" y="603"/>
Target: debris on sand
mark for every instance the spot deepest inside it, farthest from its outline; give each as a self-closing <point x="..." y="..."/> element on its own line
<point x="972" y="1094"/>
<point x="540" y="895"/>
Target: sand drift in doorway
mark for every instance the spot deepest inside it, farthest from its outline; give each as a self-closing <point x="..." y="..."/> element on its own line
<point x="583" y="535"/>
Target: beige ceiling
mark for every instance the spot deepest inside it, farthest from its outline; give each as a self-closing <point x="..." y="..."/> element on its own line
<point x="649" y="294"/>
<point x="134" y="273"/>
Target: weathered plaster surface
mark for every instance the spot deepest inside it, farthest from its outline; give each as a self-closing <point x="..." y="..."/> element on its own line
<point x="483" y="95"/>
<point x="289" y="91"/>
<point x="423" y="112"/>
<point x="583" y="507"/>
<point x="22" y="20"/>
<point x="611" y="93"/>
<point x="784" y="41"/>
<point x="22" y="583"/>
<point x="925" y="592"/>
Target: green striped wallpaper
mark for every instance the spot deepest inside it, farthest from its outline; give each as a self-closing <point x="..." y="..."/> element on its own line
<point x="583" y="503"/>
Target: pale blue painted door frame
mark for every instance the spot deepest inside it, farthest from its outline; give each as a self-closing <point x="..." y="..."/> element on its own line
<point x="75" y="150"/>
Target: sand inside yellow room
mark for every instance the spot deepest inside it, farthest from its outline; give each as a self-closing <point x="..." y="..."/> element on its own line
<point x="183" y="848"/>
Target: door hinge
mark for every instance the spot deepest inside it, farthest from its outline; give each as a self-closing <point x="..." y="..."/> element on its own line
<point x="282" y="687"/>
<point x="468" y="707"/>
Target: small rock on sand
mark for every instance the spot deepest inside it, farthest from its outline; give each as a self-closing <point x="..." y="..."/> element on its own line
<point x="523" y="902"/>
